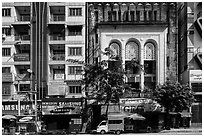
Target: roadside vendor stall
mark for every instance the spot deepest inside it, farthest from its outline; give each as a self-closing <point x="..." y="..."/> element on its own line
<point x="26" y="125"/>
<point x="8" y="124"/>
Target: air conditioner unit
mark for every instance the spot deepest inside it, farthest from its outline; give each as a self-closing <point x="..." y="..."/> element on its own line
<point x="3" y="36"/>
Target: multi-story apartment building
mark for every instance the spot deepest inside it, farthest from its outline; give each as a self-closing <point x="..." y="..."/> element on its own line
<point x="66" y="32"/>
<point x="145" y="31"/>
<point x="190" y="53"/>
<point x="48" y="39"/>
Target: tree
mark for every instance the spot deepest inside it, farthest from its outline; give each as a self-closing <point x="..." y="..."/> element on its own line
<point x="174" y="97"/>
<point x="106" y="82"/>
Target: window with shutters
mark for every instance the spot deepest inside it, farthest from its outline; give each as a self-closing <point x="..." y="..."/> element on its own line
<point x="75" y="30"/>
<point x="74" y="89"/>
<point x="6" y="12"/>
<point x="6" y="51"/>
<point x="6" y="70"/>
<point x="75" y="70"/>
<point x="75" y="11"/>
<point x="6" y="31"/>
<point x="75" y="51"/>
<point x="6" y="89"/>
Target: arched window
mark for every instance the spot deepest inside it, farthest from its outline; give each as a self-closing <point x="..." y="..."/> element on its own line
<point x="132" y="50"/>
<point x="115" y="48"/>
<point x="149" y="51"/>
<point x="150" y="64"/>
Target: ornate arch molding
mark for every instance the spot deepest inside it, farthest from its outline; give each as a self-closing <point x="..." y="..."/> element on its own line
<point x="132" y="49"/>
<point x="150" y="47"/>
<point x="115" y="46"/>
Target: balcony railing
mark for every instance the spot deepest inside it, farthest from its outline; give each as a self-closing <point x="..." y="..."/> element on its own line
<point x="58" y="57"/>
<point x="57" y="37"/>
<point x="22" y="37"/>
<point x="58" y="77"/>
<point x="58" y="18"/>
<point x="23" y="18"/>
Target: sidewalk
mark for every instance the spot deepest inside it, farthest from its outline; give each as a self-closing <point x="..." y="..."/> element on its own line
<point x="191" y="129"/>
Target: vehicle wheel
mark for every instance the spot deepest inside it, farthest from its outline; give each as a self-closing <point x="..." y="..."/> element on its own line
<point x="103" y="132"/>
<point x="117" y="132"/>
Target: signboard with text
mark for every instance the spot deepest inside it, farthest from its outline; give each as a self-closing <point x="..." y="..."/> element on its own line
<point x="21" y="57"/>
<point x="195" y="75"/>
<point x="11" y="107"/>
<point x="133" y="105"/>
<point x="139" y="104"/>
<point x="7" y="77"/>
<point x="61" y="106"/>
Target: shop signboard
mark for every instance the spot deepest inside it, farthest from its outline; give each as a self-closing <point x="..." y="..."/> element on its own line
<point x="61" y="106"/>
<point x="21" y="57"/>
<point x="11" y="107"/>
<point x="134" y="105"/>
<point x="195" y="76"/>
<point x="7" y="77"/>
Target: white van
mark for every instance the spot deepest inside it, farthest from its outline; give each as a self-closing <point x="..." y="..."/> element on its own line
<point x="115" y="124"/>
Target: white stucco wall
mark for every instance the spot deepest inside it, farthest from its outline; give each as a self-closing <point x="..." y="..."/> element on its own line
<point x="142" y="34"/>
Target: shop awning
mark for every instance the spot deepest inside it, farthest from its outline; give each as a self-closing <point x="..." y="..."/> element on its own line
<point x="25" y="119"/>
<point x="136" y="117"/>
<point x="8" y="117"/>
<point x="185" y="114"/>
<point x="117" y="115"/>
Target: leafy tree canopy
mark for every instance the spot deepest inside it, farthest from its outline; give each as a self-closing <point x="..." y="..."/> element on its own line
<point x="106" y="83"/>
<point x="174" y="96"/>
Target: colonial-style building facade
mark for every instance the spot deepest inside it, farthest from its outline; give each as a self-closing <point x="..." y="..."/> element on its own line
<point x="145" y="31"/>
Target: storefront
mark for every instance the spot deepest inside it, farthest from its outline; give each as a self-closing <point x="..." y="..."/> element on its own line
<point x="62" y="114"/>
<point x="19" y="110"/>
<point x="195" y="80"/>
<point x="148" y="108"/>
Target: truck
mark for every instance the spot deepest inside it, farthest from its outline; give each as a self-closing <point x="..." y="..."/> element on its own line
<point x="113" y="124"/>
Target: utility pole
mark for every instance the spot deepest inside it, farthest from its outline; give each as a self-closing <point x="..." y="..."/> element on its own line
<point x="33" y="91"/>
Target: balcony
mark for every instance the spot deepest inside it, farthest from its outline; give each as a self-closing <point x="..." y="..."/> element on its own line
<point x="74" y="77"/>
<point x="57" y="77"/>
<point x="57" y="38"/>
<point x="57" y="18"/>
<point x="60" y="57"/>
<point x="24" y="18"/>
<point x="22" y="37"/>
